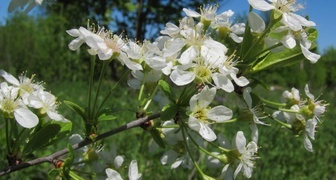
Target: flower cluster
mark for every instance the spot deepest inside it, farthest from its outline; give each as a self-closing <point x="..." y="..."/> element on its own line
<point x="294" y="28"/>
<point x="22" y="95"/>
<point x="111" y="161"/>
<point x="209" y="51"/>
<point x="303" y="114"/>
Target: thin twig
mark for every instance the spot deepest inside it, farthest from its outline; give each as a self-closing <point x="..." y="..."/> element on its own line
<point x="51" y="158"/>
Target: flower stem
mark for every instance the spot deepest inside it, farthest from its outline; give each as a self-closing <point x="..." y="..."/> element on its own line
<point x="189" y="152"/>
<point x="8" y="136"/>
<point x="280" y="122"/>
<point x="112" y="89"/>
<point x="274" y="104"/>
<point x="151" y="96"/>
<point x="93" y="63"/>
<point x="102" y="73"/>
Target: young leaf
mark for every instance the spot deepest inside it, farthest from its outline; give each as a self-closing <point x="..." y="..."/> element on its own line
<point x="167" y="90"/>
<point x="75" y="107"/>
<point x="106" y="117"/>
<point x="168" y="112"/>
<point x="65" y="130"/>
<point x="42" y="137"/>
<point x="157" y="138"/>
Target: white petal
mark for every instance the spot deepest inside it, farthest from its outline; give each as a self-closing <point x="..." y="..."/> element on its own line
<point x="222" y="82"/>
<point x="236" y="38"/>
<point x="134" y="83"/>
<point x="319" y="110"/>
<point x="188" y="55"/>
<point x="75" y="138"/>
<point x="173" y="47"/>
<point x="168" y="157"/>
<point x="207" y="133"/>
<point x="238" y="169"/>
<point x="9" y="78"/>
<point x="55" y="116"/>
<point x="105" y="54"/>
<point x="130" y="64"/>
<point x="206" y="96"/>
<point x="133" y="171"/>
<point x="247" y="96"/>
<point x="220" y="114"/>
<point x="191" y="13"/>
<point x="241" y="81"/>
<point x="73" y="32"/>
<point x="118" y="161"/>
<point x="216" y="49"/>
<point x="177" y="163"/>
<point x="182" y="78"/>
<point x="261" y="5"/>
<point x="35" y="101"/>
<point x="257" y="24"/>
<point x="312" y="57"/>
<point x="310" y="95"/>
<point x="193" y="123"/>
<point x="288" y="41"/>
<point x="310" y="128"/>
<point x="92" y="52"/>
<point x="302" y="21"/>
<point x="213" y="162"/>
<point x="240" y="141"/>
<point x="254" y="132"/>
<point x="75" y="44"/>
<point x="307" y="144"/>
<point x="25" y="118"/>
<point x="112" y="174"/>
<point x="156" y="62"/>
<point x="170" y="29"/>
<point x="227" y="172"/>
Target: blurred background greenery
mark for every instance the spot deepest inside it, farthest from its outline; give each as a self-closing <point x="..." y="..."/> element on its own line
<point x="39" y="45"/>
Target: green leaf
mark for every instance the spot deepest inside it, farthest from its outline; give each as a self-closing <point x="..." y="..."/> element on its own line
<point x="168" y="112"/>
<point x="157" y="137"/>
<point x="285" y="58"/>
<point x="166" y="89"/>
<point x="42" y="137"/>
<point x="75" y="176"/>
<point x="250" y="47"/>
<point x="54" y="173"/>
<point x="65" y="130"/>
<point x="106" y="117"/>
<point x="47" y="135"/>
<point x="79" y="110"/>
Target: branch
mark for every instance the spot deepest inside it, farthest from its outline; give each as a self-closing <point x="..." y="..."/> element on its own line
<point x="53" y="157"/>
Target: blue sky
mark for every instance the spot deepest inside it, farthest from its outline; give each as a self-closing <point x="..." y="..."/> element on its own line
<point x="323" y="13"/>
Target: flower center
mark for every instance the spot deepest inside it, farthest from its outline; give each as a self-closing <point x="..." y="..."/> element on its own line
<point x="203" y="73"/>
<point x="200" y="114"/>
<point x="8" y="106"/>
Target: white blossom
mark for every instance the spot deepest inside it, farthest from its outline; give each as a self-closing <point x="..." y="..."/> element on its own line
<point x="202" y="116"/>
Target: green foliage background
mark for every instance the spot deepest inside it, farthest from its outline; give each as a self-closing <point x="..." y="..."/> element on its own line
<point x="39" y="45"/>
